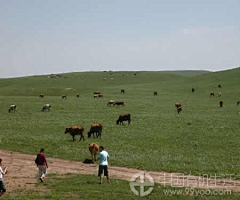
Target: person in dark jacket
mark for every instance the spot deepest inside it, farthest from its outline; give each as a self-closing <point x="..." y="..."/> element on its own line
<point x="42" y="165"/>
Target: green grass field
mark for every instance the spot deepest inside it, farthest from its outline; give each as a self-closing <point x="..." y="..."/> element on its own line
<point x="203" y="139"/>
<point x="74" y="187"/>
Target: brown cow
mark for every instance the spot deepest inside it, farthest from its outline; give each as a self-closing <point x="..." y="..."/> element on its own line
<point x="64" y="97"/>
<point x="238" y="102"/>
<point x="119" y="103"/>
<point x="212" y="94"/>
<point x="219" y="94"/>
<point x="178" y="105"/>
<point x="221" y="103"/>
<point x="93" y="148"/>
<point x="122" y="91"/>
<point x="124" y="117"/>
<point x="155" y="94"/>
<point x="111" y="102"/>
<point x="75" y="130"/>
<point x="41" y="95"/>
<point x="95" y="128"/>
<point x="179" y="109"/>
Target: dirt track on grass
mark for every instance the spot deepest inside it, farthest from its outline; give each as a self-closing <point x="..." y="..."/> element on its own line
<point x="22" y="174"/>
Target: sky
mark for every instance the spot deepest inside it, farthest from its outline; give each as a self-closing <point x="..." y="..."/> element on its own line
<point x="58" y="36"/>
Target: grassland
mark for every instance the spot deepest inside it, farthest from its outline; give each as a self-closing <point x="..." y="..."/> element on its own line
<point x="203" y="139"/>
<point x="74" y="187"/>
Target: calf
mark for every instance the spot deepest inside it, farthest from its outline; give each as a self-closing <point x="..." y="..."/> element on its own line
<point x="93" y="148"/>
<point x="119" y="103"/>
<point x="111" y="102"/>
<point x="75" y="130"/>
<point x="13" y="108"/>
<point x="155" y="94"/>
<point x="124" y="117"/>
<point x="221" y="103"/>
<point x="95" y="128"/>
<point x="46" y="107"/>
<point x="122" y="91"/>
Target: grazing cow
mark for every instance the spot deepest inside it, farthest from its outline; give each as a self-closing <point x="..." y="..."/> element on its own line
<point x="78" y="95"/>
<point x="93" y="148"/>
<point x="13" y="108"/>
<point x="122" y="91"/>
<point x="238" y="102"/>
<point x="119" y="103"/>
<point x="221" y="103"/>
<point x="219" y="86"/>
<point x="95" y="128"/>
<point x="219" y="94"/>
<point x="111" y="102"/>
<point x="179" y="109"/>
<point x="97" y="92"/>
<point x="75" y="130"/>
<point x="193" y="90"/>
<point x="178" y="105"/>
<point x="155" y="94"/>
<point x="212" y="94"/>
<point x="41" y="95"/>
<point x="64" y="97"/>
<point x="124" y="117"/>
<point x="46" y="107"/>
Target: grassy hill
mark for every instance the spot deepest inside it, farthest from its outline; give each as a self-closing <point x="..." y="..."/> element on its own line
<point x="203" y="139"/>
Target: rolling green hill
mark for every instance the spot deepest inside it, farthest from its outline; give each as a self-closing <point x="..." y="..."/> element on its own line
<point x="203" y="139"/>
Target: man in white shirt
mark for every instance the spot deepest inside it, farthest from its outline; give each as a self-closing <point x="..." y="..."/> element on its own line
<point x="2" y="172"/>
<point x="103" y="164"/>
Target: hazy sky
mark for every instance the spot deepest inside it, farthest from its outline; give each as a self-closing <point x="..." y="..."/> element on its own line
<point x="54" y="36"/>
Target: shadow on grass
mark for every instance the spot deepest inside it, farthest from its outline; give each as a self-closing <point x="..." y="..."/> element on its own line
<point x="87" y="161"/>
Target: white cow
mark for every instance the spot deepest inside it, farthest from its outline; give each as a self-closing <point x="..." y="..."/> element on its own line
<point x="12" y="108"/>
<point x="46" y="107"/>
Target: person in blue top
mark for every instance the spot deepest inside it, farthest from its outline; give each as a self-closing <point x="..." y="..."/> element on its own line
<point x="103" y="164"/>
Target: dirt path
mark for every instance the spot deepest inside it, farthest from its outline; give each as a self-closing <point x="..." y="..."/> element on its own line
<point x="22" y="173"/>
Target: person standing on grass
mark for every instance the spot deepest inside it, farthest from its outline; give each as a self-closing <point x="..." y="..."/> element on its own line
<point x="103" y="164"/>
<point x="2" y="173"/>
<point x="42" y="165"/>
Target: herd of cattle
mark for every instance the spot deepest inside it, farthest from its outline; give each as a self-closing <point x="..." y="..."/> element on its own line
<point x="96" y="129"/>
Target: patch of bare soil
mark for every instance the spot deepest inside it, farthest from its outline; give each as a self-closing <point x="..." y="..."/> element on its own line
<point x="22" y="174"/>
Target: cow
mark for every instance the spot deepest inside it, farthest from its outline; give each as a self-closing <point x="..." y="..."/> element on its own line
<point x="46" y="107"/>
<point x="124" y="117"/>
<point x="104" y="79"/>
<point x="93" y="148"/>
<point x="221" y="103"/>
<point x="78" y="95"/>
<point x="122" y="91"/>
<point x="13" y="108"/>
<point x="119" y="103"/>
<point x="219" y="86"/>
<point x="155" y="93"/>
<point x="41" y="95"/>
<point x="212" y="94"/>
<point x="95" y="128"/>
<point x="75" y="130"/>
<point x="111" y="102"/>
<point x="178" y="105"/>
<point x="238" y="102"/>
<point x="193" y="90"/>
<point x="219" y="94"/>
<point x="179" y="109"/>
<point x="64" y="97"/>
